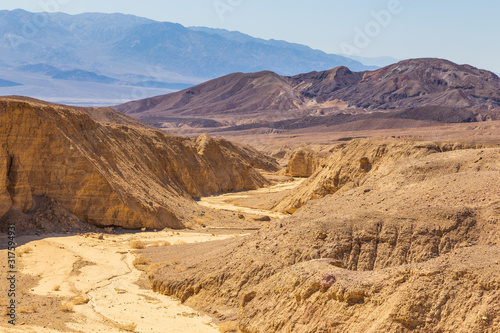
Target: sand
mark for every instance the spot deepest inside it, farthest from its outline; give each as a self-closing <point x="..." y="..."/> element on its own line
<point x="247" y="201"/>
<point x="102" y="270"/>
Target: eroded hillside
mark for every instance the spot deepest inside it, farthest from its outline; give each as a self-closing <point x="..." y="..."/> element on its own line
<point x="110" y="174"/>
<point x="404" y="239"/>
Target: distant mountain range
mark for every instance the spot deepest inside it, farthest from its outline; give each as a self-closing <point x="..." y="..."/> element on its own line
<point x="107" y="58"/>
<point x="418" y="89"/>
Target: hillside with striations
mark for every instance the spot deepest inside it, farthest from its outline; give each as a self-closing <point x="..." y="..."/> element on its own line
<point x="111" y="174"/>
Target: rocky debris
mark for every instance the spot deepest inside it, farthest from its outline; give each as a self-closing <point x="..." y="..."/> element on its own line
<point x="321" y="235"/>
<point x="112" y="174"/>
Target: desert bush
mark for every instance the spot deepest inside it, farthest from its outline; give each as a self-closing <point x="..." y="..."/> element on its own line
<point x="24" y="250"/>
<point x="31" y="309"/>
<point x="56" y="288"/>
<point x="67" y="307"/>
<point x="130" y="327"/>
<point x="141" y="261"/>
<point x="154" y="268"/>
<point x="180" y="242"/>
<point x="189" y="225"/>
<point x="80" y="300"/>
<point x="137" y="245"/>
<point x="5" y="312"/>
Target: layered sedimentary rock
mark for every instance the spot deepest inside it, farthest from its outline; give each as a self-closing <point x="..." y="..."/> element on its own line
<point x="303" y="163"/>
<point x="111" y="174"/>
<point x="351" y="164"/>
<point x="408" y="241"/>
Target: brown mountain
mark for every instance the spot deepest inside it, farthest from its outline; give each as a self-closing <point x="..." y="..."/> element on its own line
<point x="110" y="174"/>
<point x="240" y="99"/>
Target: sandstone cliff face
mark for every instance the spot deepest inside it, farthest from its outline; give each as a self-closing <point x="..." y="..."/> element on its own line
<point x="303" y="163"/>
<point x="412" y="247"/>
<point x="109" y="175"/>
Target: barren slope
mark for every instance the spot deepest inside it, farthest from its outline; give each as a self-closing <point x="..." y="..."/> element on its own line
<point x="434" y="89"/>
<point x="111" y="174"/>
<point x="408" y="244"/>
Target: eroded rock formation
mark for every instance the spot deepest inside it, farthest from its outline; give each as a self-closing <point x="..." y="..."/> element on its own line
<point x="112" y="174"/>
<point x="411" y="239"/>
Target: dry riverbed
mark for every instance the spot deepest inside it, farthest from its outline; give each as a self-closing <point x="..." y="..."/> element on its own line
<point x="256" y="202"/>
<point x="88" y="283"/>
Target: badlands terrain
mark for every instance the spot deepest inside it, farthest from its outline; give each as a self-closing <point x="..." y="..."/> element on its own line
<point x="321" y="214"/>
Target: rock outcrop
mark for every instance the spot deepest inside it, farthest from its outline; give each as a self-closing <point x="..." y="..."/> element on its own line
<point x="112" y="174"/>
<point x="303" y="163"/>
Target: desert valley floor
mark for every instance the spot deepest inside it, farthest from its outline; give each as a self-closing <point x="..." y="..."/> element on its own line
<point x="340" y="219"/>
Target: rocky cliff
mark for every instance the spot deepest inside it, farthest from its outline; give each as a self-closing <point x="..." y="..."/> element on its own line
<point x="303" y="163"/>
<point x="112" y="174"/>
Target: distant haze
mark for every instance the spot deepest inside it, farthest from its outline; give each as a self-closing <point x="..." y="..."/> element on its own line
<point x="461" y="31"/>
<point x="98" y="59"/>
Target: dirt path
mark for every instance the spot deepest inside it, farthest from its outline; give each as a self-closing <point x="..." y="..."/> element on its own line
<point x="103" y="271"/>
<point x="247" y="201"/>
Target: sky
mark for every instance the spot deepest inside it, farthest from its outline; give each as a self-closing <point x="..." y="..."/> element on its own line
<point x="459" y="30"/>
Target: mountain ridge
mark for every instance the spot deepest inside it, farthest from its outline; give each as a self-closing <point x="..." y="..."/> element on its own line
<point x="126" y="47"/>
<point x="267" y="98"/>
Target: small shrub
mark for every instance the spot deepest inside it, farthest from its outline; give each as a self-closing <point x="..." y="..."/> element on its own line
<point x="130" y="327"/>
<point x="137" y="245"/>
<point x="180" y="242"/>
<point x="141" y="261"/>
<point x="56" y="288"/>
<point x="67" y="307"/>
<point x="24" y="250"/>
<point x="30" y="309"/>
<point x="154" y="268"/>
<point x="80" y="300"/>
<point x="228" y="326"/>
<point x="5" y="312"/>
<point x="189" y="225"/>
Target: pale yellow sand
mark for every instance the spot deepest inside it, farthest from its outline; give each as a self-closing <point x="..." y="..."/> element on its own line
<point x="107" y="278"/>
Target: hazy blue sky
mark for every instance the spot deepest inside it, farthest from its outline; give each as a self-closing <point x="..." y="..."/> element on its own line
<point x="459" y="30"/>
